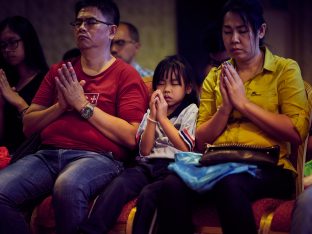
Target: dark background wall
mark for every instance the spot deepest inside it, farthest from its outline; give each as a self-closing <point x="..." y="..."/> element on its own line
<point x="194" y="18"/>
<point x="156" y="21"/>
<point x="289" y="31"/>
<point x="171" y="26"/>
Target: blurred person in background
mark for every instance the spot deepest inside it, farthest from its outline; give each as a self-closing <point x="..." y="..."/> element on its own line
<point x="22" y="68"/>
<point x="126" y="44"/>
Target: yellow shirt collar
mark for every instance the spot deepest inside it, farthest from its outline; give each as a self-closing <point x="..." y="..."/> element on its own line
<point x="269" y="63"/>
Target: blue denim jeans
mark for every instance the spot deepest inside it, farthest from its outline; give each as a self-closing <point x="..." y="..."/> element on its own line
<point x="144" y="181"/>
<point x="302" y="214"/>
<point x="73" y="177"/>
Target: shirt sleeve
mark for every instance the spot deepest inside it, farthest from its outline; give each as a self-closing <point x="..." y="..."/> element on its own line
<point x="188" y="125"/>
<point x="208" y="102"/>
<point x="46" y="94"/>
<point x="132" y="97"/>
<point x="292" y="97"/>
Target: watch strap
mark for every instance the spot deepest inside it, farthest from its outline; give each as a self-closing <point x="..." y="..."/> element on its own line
<point x="86" y="111"/>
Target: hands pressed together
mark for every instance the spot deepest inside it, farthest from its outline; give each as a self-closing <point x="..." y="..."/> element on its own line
<point x="158" y="106"/>
<point x="69" y="89"/>
<point x="232" y="89"/>
<point x="9" y="93"/>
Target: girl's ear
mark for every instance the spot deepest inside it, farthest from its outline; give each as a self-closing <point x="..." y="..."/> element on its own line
<point x="188" y="89"/>
<point x="262" y="30"/>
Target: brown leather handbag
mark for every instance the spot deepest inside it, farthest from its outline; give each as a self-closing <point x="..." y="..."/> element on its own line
<point x="249" y="154"/>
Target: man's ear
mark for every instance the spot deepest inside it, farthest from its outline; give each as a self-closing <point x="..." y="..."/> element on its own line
<point x="262" y="30"/>
<point x="112" y="31"/>
<point x="137" y="45"/>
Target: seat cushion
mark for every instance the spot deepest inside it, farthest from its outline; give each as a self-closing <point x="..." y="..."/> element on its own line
<point x="205" y="213"/>
<point x="4" y="157"/>
<point x="282" y="217"/>
<point x="263" y="207"/>
<point x="42" y="220"/>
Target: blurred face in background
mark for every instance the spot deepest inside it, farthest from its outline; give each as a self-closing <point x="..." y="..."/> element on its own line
<point x="123" y="46"/>
<point x="12" y="47"/>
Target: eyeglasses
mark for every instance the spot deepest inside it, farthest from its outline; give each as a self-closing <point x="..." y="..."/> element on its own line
<point x="88" y="22"/>
<point x="121" y="42"/>
<point x="11" y="44"/>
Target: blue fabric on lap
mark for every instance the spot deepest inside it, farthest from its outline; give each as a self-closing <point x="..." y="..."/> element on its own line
<point x="202" y="179"/>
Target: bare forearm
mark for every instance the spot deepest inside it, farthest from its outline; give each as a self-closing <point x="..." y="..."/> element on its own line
<point x="276" y="125"/>
<point x="115" y="128"/>
<point x="1" y="123"/>
<point x="211" y="129"/>
<point x="148" y="138"/>
<point x="173" y="135"/>
<point x="1" y="117"/>
<point x="36" y="118"/>
<point x="19" y="103"/>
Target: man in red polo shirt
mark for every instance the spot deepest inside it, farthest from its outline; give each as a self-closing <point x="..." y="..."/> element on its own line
<point x="87" y="112"/>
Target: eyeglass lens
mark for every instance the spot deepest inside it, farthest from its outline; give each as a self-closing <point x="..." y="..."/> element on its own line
<point x="120" y="42"/>
<point x="11" y="44"/>
<point x="88" y="22"/>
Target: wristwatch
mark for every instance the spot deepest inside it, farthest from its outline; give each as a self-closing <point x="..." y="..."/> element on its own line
<point x="87" y="111"/>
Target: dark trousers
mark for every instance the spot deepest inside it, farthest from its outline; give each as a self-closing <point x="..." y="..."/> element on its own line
<point x="233" y="196"/>
<point x="143" y="180"/>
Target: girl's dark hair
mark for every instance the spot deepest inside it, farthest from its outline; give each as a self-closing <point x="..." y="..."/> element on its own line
<point x="250" y="11"/>
<point x="176" y="64"/>
<point x="108" y="8"/>
<point x="34" y="56"/>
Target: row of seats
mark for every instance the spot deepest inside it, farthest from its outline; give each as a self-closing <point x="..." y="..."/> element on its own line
<point x="271" y="215"/>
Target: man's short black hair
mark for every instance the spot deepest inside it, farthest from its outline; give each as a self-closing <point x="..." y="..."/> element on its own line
<point x="108" y="8"/>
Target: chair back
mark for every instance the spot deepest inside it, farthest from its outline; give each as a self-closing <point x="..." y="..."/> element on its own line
<point x="148" y="82"/>
<point x="298" y="154"/>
